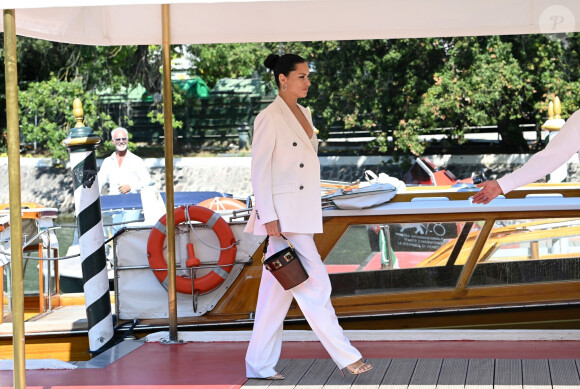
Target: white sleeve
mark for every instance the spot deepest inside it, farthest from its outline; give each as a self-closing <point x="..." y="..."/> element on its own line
<point x="559" y="150"/>
<point x="262" y="148"/>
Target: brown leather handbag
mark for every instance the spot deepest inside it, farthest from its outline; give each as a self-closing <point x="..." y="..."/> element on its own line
<point x="285" y="265"/>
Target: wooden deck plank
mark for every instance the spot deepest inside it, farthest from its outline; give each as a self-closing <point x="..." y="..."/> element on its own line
<point x="318" y="374"/>
<point x="399" y="374"/>
<point x="508" y="374"/>
<point x="536" y="374"/>
<point x="260" y="383"/>
<point x="479" y="374"/>
<point x="564" y="374"/>
<point x="373" y="378"/>
<point x="453" y="374"/>
<point x="293" y="373"/>
<point x="426" y="374"/>
<point x="435" y="373"/>
<point x="337" y="381"/>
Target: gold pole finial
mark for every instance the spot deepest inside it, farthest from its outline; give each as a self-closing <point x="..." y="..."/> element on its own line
<point x="557" y="108"/>
<point x="554" y="122"/>
<point x="78" y="113"/>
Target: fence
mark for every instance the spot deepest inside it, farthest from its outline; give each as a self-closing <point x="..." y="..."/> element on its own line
<point x="209" y="123"/>
<point x="214" y="124"/>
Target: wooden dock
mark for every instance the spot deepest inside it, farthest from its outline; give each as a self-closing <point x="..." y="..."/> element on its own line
<point x="429" y="373"/>
<point x="503" y="361"/>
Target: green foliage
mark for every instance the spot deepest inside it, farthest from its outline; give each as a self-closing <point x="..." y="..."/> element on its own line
<point x="43" y="65"/>
<point x="480" y="84"/>
<point x="46" y="114"/>
<point x="503" y="81"/>
<point x="157" y="117"/>
<point x="373" y="85"/>
<point x="395" y="90"/>
<point x="216" y="61"/>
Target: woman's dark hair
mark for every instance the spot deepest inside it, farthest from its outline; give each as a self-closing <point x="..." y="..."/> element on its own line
<point x="282" y="64"/>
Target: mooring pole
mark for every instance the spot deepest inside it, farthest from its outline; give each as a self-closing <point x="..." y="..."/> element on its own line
<point x="13" y="138"/>
<point x="81" y="143"/>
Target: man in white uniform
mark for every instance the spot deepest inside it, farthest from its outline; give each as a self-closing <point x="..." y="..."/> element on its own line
<point x="123" y="171"/>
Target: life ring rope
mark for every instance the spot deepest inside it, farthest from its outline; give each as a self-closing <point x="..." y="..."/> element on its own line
<point x="210" y="223"/>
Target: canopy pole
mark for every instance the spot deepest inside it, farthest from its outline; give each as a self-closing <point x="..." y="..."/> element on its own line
<point x="10" y="69"/>
<point x="169" y="194"/>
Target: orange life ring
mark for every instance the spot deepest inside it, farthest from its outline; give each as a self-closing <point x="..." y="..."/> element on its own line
<point x="226" y="239"/>
<point x="222" y="204"/>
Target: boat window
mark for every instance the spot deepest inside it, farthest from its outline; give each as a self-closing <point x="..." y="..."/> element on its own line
<point x="373" y="258"/>
<point x="527" y="251"/>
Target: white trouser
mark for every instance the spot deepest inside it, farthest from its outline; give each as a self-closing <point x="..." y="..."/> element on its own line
<point x="313" y="297"/>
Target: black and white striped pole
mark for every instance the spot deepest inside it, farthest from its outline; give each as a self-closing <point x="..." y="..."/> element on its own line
<point x="81" y="143"/>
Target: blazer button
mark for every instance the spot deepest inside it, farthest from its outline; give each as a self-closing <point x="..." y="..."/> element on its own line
<point x="301" y="187"/>
<point x="294" y="144"/>
<point x="301" y="165"/>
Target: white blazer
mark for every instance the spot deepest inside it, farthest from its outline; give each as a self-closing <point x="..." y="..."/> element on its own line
<point x="285" y="173"/>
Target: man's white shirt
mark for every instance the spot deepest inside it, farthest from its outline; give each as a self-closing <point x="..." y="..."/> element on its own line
<point x="132" y="172"/>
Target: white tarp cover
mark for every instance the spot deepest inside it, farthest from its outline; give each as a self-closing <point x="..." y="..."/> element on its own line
<point x="141" y="295"/>
<point x="110" y="22"/>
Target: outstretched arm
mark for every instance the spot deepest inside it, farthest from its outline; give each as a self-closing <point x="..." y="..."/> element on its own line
<point x="490" y="190"/>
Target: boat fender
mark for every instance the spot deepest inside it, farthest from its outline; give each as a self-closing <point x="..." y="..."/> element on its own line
<point x="227" y="258"/>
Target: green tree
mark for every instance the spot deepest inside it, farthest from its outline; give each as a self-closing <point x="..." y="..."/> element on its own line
<point x="482" y="83"/>
<point x="394" y="89"/>
<point x="374" y="85"/>
<point x="504" y="81"/>
<point x="553" y="68"/>
<point x="46" y="114"/>
<point x="92" y="67"/>
<point x="216" y="61"/>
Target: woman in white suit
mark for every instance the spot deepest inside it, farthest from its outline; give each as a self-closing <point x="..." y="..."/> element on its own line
<point x="286" y="184"/>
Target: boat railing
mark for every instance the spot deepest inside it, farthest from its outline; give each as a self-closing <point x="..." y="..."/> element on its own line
<point x="497" y="252"/>
<point x="45" y="244"/>
<point x="426" y="200"/>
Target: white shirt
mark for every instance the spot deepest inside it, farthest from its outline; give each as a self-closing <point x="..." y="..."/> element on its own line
<point x="556" y="152"/>
<point x="132" y="172"/>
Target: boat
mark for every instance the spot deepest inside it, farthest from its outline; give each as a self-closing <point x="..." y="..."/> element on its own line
<point x="425" y="172"/>
<point x="510" y="264"/>
<point x="39" y="240"/>
<point x="132" y="209"/>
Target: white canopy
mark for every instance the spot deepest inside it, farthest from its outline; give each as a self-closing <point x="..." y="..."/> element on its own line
<point x="129" y="22"/>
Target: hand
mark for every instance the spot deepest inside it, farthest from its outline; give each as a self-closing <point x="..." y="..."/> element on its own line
<point x="272" y="228"/>
<point x="124" y="189"/>
<point x="490" y="190"/>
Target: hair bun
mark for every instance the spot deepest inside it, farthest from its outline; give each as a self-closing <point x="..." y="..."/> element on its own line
<point x="271" y="61"/>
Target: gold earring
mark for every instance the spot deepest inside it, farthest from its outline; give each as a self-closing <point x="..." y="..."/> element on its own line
<point x="284" y="87"/>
